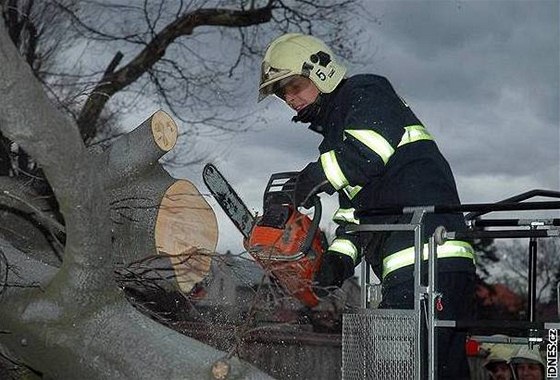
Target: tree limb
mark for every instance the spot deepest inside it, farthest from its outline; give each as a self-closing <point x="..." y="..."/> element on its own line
<point x="113" y="82"/>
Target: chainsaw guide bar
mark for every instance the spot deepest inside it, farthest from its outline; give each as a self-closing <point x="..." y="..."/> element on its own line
<point x="228" y="200"/>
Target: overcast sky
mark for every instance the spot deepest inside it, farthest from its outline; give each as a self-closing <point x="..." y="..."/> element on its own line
<point x="483" y="76"/>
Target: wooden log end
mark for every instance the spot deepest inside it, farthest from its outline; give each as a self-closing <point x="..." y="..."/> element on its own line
<point x="164" y="130"/>
<point x="187" y="232"/>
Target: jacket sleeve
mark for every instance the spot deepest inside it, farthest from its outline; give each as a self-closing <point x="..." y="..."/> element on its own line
<point x="373" y="128"/>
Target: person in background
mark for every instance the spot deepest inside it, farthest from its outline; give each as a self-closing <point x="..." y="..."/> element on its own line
<point x="528" y="364"/>
<point x="497" y="362"/>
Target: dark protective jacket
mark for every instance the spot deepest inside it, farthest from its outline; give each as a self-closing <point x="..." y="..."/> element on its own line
<point x="376" y="153"/>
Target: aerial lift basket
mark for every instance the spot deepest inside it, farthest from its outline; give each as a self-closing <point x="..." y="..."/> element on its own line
<point x="379" y="344"/>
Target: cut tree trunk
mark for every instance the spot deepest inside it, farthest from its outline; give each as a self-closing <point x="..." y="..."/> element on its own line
<point x="164" y="231"/>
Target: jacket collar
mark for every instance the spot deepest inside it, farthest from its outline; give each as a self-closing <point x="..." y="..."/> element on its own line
<point x="319" y="123"/>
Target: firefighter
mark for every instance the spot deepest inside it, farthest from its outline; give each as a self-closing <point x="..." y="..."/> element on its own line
<point x="375" y="153"/>
<point x="497" y="362"/>
<point x="528" y="364"/>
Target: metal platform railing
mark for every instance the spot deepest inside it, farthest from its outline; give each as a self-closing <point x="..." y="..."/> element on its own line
<point x="387" y="344"/>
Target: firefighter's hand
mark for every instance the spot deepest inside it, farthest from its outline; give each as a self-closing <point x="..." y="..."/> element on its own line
<point x="306" y="189"/>
<point x="308" y="183"/>
<point x="335" y="268"/>
<point x="302" y="192"/>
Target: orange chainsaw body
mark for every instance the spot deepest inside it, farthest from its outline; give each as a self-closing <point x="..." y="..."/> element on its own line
<point x="277" y="246"/>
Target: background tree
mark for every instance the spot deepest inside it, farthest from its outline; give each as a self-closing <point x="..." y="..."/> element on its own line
<point x="485" y="256"/>
<point x="514" y="264"/>
<point x="512" y="269"/>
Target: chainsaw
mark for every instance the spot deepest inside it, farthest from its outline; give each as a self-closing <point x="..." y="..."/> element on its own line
<point x="283" y="241"/>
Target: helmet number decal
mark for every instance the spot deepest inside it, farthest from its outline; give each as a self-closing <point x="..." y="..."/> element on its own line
<point x="321" y="75"/>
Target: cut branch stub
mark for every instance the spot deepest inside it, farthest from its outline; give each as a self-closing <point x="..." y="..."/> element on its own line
<point x="164" y="131"/>
<point x="139" y="150"/>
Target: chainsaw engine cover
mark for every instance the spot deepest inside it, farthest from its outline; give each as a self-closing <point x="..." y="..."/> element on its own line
<point x="276" y="241"/>
<point x="275" y="216"/>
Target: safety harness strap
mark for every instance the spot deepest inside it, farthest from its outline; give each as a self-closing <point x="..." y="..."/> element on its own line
<point x="452" y="248"/>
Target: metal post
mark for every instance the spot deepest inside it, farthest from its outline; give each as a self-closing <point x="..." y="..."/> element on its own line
<point x="418" y="248"/>
<point x="432" y="295"/>
<point x="419" y="290"/>
<point x="532" y="301"/>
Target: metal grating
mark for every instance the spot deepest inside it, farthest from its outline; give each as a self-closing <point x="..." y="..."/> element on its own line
<point x="379" y="344"/>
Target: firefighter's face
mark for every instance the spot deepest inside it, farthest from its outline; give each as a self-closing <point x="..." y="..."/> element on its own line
<point x="529" y="371"/>
<point x="500" y="371"/>
<point x="298" y="93"/>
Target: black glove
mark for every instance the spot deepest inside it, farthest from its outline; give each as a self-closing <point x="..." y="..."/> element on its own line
<point x="335" y="268"/>
<point x="308" y="183"/>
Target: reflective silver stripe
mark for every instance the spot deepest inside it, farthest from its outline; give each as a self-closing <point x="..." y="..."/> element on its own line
<point x="346" y="247"/>
<point x="414" y="133"/>
<point x="351" y="191"/>
<point x="452" y="248"/>
<point x="373" y="141"/>
<point x="332" y="170"/>
<point x="346" y="215"/>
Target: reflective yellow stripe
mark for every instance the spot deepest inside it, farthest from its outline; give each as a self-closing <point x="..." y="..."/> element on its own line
<point x="414" y="133"/>
<point x="373" y="141"/>
<point x="351" y="191"/>
<point x="332" y="170"/>
<point x="346" y="215"/>
<point x="452" y="248"/>
<point x="346" y="247"/>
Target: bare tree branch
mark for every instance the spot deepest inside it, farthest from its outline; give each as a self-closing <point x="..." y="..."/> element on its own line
<point x="111" y="83"/>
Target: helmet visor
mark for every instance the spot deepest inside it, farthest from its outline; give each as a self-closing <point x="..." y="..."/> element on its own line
<point x="270" y="79"/>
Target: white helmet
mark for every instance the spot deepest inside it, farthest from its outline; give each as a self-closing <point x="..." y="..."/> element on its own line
<point x="527" y="355"/>
<point x="299" y="54"/>
<point x="499" y="352"/>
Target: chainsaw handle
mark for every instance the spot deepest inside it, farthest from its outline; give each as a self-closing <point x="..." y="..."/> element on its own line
<point x="317" y="211"/>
